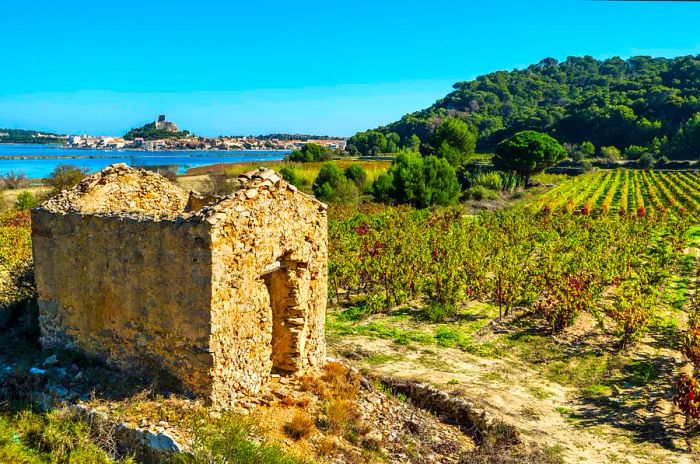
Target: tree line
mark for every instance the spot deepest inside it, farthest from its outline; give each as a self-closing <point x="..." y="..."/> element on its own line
<point x="631" y="108"/>
<point x="29" y="136"/>
<point x="437" y="171"/>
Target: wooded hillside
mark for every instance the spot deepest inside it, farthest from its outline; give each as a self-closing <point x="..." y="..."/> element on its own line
<point x="643" y="101"/>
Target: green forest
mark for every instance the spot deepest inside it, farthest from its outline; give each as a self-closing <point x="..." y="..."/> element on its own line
<point x="634" y="106"/>
<point x="28" y="136"/>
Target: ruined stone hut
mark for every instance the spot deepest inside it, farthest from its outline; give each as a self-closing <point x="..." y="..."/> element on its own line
<point x="219" y="292"/>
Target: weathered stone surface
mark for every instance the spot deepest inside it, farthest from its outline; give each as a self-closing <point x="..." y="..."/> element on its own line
<point x="219" y="297"/>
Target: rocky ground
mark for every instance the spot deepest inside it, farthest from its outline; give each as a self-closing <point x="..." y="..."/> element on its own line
<point x="336" y="416"/>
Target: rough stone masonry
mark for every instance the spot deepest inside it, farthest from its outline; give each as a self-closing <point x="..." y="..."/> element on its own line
<point x="219" y="292"/>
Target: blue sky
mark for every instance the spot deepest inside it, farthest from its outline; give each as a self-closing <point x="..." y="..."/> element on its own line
<point x="233" y="67"/>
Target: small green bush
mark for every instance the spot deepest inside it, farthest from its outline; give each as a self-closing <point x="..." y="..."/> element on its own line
<point x="55" y="437"/>
<point x="479" y="192"/>
<point x="490" y="180"/>
<point x="310" y="153"/>
<point x="328" y="177"/>
<point x="419" y="181"/>
<point x="64" y="176"/>
<point x="346" y="192"/>
<point x="291" y="176"/>
<point x="356" y="173"/>
<point x="231" y="440"/>
<point x="438" y="312"/>
<point x="25" y="200"/>
<point x="331" y="185"/>
<point x="647" y="161"/>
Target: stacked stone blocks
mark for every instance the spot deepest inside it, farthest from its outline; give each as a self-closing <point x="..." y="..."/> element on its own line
<point x="219" y="292"/>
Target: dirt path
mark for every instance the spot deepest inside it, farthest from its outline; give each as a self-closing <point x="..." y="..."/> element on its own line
<point x="639" y="430"/>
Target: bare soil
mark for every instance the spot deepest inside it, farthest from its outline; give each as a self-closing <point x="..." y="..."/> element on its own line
<point x="633" y="421"/>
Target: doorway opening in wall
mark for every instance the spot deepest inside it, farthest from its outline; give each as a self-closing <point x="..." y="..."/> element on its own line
<point x="278" y="278"/>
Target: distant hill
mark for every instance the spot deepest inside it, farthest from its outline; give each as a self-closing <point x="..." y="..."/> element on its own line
<point x="159" y="129"/>
<point x="29" y="136"/>
<point x="650" y="102"/>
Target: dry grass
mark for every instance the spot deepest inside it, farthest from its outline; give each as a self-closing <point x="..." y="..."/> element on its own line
<point x="338" y="382"/>
<point x="301" y="426"/>
<point x="342" y="416"/>
<point x="327" y="446"/>
<point x="8" y="197"/>
<point x="338" y="387"/>
<point x="153" y="408"/>
<point x="306" y="172"/>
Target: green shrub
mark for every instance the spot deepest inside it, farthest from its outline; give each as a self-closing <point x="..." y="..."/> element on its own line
<point x="346" y="192"/>
<point x="231" y="440"/>
<point x="64" y="176"/>
<point x="291" y="176"/>
<point x="479" y="192"/>
<point x="55" y="437"/>
<point x="419" y="181"/>
<point x="491" y="180"/>
<point x="356" y="173"/>
<point x="25" y="200"/>
<point x="331" y="185"/>
<point x="438" y="312"/>
<point x="382" y="188"/>
<point x="327" y="179"/>
<point x="647" y="161"/>
<point x="310" y="153"/>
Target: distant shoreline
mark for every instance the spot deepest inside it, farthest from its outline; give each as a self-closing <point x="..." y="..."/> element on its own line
<point x="37" y="161"/>
<point x="120" y="154"/>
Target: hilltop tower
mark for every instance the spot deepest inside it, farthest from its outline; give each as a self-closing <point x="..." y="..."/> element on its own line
<point x="163" y="124"/>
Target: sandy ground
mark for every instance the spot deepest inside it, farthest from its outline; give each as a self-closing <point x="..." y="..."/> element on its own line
<point x="545" y="412"/>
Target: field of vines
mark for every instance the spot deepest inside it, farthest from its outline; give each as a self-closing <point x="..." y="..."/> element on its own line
<point x="513" y="259"/>
<point x="627" y="193"/>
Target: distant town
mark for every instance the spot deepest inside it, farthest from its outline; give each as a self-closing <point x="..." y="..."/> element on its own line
<point x="161" y="135"/>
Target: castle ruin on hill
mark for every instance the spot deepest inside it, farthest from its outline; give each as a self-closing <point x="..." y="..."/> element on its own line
<point x="163" y="124"/>
<point x="220" y="292"/>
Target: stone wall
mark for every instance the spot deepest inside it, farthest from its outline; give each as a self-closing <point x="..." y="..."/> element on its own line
<point x="134" y="292"/>
<point x="269" y="259"/>
<point x="219" y="297"/>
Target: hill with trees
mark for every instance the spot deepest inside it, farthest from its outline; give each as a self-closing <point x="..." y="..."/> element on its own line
<point x="29" y="136"/>
<point x="635" y="106"/>
<point x="151" y="132"/>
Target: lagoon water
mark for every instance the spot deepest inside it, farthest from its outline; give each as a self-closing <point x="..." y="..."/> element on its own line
<point x="37" y="161"/>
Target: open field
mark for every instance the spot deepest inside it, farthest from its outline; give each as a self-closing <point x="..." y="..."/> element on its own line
<point x="306" y="171"/>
